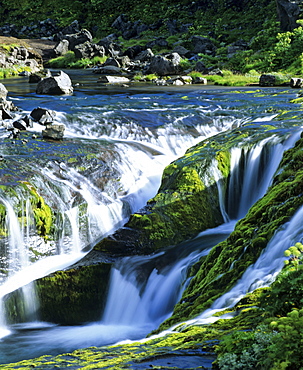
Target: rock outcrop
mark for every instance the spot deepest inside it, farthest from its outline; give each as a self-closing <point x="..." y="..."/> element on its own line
<point x="288" y="12"/>
<point x="19" y="54"/>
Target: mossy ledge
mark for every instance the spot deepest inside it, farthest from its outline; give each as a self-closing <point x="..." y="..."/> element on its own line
<point x="187" y="201"/>
<point x="227" y="261"/>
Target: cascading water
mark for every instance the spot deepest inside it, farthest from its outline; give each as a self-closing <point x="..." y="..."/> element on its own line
<point x="252" y="171"/>
<point x="148" y="129"/>
<point x="263" y="272"/>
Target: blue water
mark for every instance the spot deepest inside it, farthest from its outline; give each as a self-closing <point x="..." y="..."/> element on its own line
<point x="143" y="123"/>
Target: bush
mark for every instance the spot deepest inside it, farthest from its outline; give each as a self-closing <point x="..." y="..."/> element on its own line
<point x="246" y="350"/>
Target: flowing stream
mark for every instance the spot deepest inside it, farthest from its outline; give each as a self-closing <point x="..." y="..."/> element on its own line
<point x="128" y="135"/>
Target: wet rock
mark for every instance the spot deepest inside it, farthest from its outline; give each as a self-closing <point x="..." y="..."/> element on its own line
<point x="28" y="121"/>
<point x="38" y="76"/>
<point x="20" y="125"/>
<point x="5" y="113"/>
<point x="108" y="70"/>
<point x="3" y="91"/>
<point x="112" y="62"/>
<point x="200" y="80"/>
<point x="296" y="83"/>
<point x="54" y="131"/>
<point x="55" y="85"/>
<point x="43" y="116"/>
<point x="113" y="79"/>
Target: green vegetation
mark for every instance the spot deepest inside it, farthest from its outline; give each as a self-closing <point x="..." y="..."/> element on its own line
<point x="70" y="61"/>
<point x="267" y="50"/>
<point x="275" y="343"/>
<point x="13" y="71"/>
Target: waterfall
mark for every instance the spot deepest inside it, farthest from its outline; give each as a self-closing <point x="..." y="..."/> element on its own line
<point x="144" y="289"/>
<point x="252" y="171"/>
<point x="133" y="302"/>
<point x="263" y="272"/>
<point x="18" y="258"/>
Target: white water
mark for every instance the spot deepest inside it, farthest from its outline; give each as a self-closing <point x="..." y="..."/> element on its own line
<point x="252" y="171"/>
<point x="260" y="274"/>
<point x="140" y="173"/>
<point x="141" y="308"/>
<point x="167" y="143"/>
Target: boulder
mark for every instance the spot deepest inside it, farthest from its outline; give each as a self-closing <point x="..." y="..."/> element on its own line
<point x="113" y="79"/>
<point x="54" y="131"/>
<point x="88" y="50"/>
<point x="71" y="29"/>
<point x="160" y="41"/>
<point x="3" y="91"/>
<point x="181" y="50"/>
<point x="267" y="80"/>
<point x="123" y="61"/>
<point x="43" y="116"/>
<point x="145" y="55"/>
<point x="236" y="47"/>
<point x="108" y="70"/>
<point x="20" y="125"/>
<point x="38" y="76"/>
<point x="55" y="85"/>
<point x="203" y="45"/>
<point x="112" y="62"/>
<point x="163" y="66"/>
<point x="200" y="80"/>
<point x="200" y="67"/>
<point x="111" y="48"/>
<point x="133" y="51"/>
<point x="61" y="48"/>
<point x="5" y="113"/>
<point x="7" y="106"/>
<point x="78" y="38"/>
<point x="127" y="28"/>
<point x="296" y="82"/>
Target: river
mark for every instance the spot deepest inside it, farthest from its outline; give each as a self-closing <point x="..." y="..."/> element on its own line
<point x="138" y="129"/>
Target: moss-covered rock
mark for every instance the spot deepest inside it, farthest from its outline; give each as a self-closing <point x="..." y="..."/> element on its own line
<point x="66" y="297"/>
<point x="227" y="261"/>
<point x="188" y="199"/>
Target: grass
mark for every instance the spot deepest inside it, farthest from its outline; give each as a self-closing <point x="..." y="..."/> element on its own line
<point x="230" y="79"/>
<point x="70" y="61"/>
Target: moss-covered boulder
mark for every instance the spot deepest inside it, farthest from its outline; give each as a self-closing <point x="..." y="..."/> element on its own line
<point x="188" y="200"/>
<point x="218" y="272"/>
<point x="68" y="297"/>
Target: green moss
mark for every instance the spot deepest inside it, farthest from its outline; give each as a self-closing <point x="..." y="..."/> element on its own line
<point x="42" y="212"/>
<point x="223" y="159"/>
<point x="66" y="297"/>
<point x="220" y="270"/>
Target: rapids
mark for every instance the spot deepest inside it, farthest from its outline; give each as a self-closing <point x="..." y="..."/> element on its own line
<point x="138" y="130"/>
